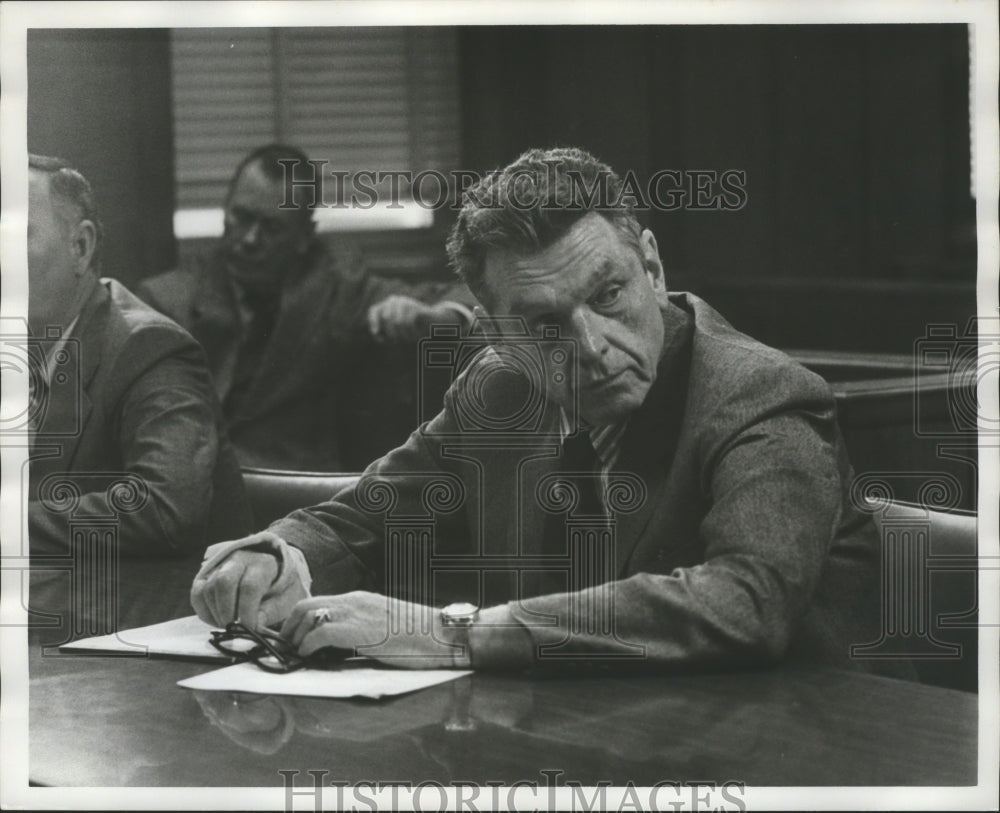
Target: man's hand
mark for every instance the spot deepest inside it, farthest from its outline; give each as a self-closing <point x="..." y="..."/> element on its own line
<point x="401" y="318"/>
<point x="395" y="632"/>
<point x="249" y="585"/>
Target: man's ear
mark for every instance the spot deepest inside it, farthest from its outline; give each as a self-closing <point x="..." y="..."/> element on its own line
<point x="83" y="244"/>
<point x="653" y="265"/>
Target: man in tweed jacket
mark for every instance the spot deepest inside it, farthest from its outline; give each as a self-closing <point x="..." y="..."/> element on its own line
<point x="735" y="544"/>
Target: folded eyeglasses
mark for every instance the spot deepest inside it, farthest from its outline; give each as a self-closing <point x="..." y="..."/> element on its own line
<point x="268" y="650"/>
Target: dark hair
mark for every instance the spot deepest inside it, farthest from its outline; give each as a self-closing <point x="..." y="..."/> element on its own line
<point x="268" y="158"/>
<point x="531" y="203"/>
<point x="69" y="185"/>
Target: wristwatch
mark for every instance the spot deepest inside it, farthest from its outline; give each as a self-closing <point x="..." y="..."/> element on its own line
<point x="457" y="620"/>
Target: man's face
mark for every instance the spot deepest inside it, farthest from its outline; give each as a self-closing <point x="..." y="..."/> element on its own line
<point x="53" y="262"/>
<point x="261" y="241"/>
<point x="602" y="293"/>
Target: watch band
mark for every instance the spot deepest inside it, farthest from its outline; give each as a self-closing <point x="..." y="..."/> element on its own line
<point x="457" y="621"/>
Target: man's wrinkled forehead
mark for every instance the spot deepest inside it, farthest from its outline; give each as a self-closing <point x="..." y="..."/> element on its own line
<point x="519" y="280"/>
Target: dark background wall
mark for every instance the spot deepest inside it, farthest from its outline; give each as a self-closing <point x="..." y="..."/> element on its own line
<point x="101" y="100"/>
<point x="858" y="228"/>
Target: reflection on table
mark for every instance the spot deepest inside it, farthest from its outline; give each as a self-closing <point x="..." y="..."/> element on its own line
<point x="123" y="721"/>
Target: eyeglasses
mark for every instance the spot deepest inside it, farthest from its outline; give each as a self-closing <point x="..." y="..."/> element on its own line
<point x="267" y="649"/>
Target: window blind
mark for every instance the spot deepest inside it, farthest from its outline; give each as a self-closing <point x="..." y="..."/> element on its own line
<point x="380" y="99"/>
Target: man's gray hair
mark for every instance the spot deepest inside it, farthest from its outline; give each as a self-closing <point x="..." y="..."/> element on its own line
<point x="530" y="204"/>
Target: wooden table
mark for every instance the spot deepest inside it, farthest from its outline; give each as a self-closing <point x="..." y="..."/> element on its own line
<point x="106" y="721"/>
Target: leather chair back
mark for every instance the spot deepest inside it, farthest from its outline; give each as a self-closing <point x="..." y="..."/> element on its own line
<point x="941" y="607"/>
<point x="273" y="493"/>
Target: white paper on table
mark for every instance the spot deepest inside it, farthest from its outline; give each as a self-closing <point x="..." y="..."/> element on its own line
<point x="186" y="637"/>
<point x="351" y="679"/>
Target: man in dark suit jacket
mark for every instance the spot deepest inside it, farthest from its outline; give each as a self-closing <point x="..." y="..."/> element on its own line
<point x="127" y="429"/>
<point x="289" y="322"/>
<point x="681" y="497"/>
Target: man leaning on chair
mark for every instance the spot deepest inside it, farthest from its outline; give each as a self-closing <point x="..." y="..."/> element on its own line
<point x="741" y="547"/>
<point x="290" y="322"/>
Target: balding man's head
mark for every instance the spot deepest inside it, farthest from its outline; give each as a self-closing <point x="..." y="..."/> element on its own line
<point x="72" y="195"/>
<point x="64" y="235"/>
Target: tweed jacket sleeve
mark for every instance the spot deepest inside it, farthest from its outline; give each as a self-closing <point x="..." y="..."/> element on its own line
<point x="745" y="537"/>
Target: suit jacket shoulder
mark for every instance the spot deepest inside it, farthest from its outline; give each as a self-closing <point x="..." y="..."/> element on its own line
<point x="137" y="337"/>
<point x="735" y="381"/>
<point x="146" y="408"/>
<point x="729" y="361"/>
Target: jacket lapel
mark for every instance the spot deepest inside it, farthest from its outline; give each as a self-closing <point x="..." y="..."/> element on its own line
<point x="303" y="308"/>
<point x="650" y="439"/>
<point x="69" y="406"/>
<point x="539" y="529"/>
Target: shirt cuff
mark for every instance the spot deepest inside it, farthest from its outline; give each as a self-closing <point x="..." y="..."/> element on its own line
<point x="499" y="641"/>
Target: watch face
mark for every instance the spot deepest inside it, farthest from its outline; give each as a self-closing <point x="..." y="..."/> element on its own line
<point x="461" y="612"/>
